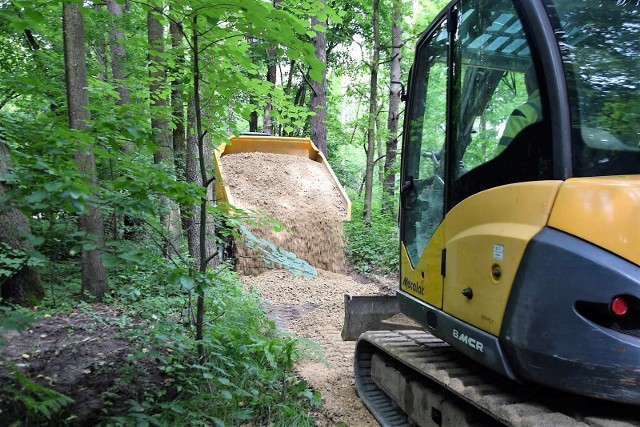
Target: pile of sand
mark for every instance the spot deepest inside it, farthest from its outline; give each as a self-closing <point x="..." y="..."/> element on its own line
<point x="299" y="193"/>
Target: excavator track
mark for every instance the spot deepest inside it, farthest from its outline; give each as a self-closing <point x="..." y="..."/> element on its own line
<point x="410" y="377"/>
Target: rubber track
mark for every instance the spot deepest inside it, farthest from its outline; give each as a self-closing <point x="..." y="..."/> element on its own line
<point x="509" y="403"/>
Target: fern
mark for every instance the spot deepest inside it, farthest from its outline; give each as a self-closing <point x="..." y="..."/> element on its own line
<point x="38" y="400"/>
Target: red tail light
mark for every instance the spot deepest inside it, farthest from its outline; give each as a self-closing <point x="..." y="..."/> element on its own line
<point x="619" y="306"/>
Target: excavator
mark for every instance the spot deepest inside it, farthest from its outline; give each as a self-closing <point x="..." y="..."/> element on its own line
<point x="519" y="222"/>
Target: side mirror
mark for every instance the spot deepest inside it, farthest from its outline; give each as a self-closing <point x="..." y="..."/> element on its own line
<point x="408" y="197"/>
<point x="403" y="93"/>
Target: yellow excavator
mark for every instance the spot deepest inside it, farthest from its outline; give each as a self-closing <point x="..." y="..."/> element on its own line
<point x="519" y="222"/>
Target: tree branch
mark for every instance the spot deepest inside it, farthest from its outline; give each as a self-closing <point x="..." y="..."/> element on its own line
<point x="304" y="76"/>
<point x="33" y="44"/>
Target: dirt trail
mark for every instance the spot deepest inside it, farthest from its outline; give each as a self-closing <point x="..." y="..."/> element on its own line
<point x="314" y="309"/>
<point x="299" y="193"/>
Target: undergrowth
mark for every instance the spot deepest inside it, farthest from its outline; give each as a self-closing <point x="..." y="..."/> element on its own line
<point x="245" y="377"/>
<point x="247" y="373"/>
<point x="374" y="249"/>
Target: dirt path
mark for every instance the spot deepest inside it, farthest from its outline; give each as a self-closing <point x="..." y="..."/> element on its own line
<point x="300" y="193"/>
<point x="313" y="309"/>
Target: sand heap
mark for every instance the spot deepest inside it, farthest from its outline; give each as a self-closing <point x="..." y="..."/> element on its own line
<point x="299" y="193"/>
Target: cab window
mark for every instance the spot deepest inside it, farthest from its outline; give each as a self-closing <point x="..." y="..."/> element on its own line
<point x="422" y="193"/>
<point x="501" y="134"/>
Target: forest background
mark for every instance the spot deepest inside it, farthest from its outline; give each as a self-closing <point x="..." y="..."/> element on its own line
<point x="109" y="114"/>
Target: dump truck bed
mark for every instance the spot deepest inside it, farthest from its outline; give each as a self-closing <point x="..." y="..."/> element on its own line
<point x="303" y="147"/>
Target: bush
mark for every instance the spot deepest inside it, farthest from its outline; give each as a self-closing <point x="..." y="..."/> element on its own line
<point x="372" y="249"/>
<point x="247" y="372"/>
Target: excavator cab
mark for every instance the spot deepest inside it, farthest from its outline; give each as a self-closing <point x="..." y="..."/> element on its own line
<point x="520" y="196"/>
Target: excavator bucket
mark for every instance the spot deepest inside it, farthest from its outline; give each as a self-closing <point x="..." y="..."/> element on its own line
<point x="371" y="313"/>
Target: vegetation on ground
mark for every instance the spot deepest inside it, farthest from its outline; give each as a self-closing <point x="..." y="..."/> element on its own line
<point x="109" y="116"/>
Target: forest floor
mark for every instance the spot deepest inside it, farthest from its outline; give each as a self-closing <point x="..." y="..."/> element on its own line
<point x="87" y="353"/>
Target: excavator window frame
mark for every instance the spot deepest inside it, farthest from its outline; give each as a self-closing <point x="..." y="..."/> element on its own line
<point x="554" y="115"/>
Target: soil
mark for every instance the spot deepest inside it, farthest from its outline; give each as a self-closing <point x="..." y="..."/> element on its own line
<point x="300" y="194"/>
<point x="314" y="309"/>
<point x="83" y="355"/>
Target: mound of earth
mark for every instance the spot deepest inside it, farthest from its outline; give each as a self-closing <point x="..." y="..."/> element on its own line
<point x="300" y="194"/>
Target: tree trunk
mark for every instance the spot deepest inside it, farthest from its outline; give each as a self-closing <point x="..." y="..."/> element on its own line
<point x="292" y="70"/>
<point x="253" y="122"/>
<point x="94" y="276"/>
<point x="267" y="125"/>
<point x="206" y="228"/>
<point x="319" y="90"/>
<point x="24" y="286"/>
<point x="178" y="117"/>
<point x="193" y="175"/>
<point x="117" y="53"/>
<point x="162" y="136"/>
<point x="373" y="102"/>
<point x="379" y="152"/>
<point x="388" y="186"/>
<point x="101" y="51"/>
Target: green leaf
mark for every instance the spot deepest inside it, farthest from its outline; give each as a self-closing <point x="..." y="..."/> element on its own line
<point x="102" y="153"/>
<point x="187" y="283"/>
<point x="37" y="196"/>
<point x="35" y="240"/>
<point x="89" y="246"/>
<point x="315" y="73"/>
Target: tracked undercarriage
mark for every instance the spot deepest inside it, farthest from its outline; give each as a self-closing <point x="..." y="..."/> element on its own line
<point x="413" y="378"/>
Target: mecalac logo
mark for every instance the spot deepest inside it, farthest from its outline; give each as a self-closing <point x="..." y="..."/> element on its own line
<point x="408" y="284"/>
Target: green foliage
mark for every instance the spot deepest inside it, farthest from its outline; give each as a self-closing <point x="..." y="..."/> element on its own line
<point x="375" y="249"/>
<point x="247" y="373"/>
<point x="11" y="261"/>
<point x="38" y="401"/>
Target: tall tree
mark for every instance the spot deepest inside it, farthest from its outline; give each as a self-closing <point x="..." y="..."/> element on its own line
<point x="319" y="88"/>
<point x="118" y="52"/>
<point x="94" y="275"/>
<point x="177" y="106"/>
<point x="267" y="124"/>
<point x="388" y="186"/>
<point x="162" y="136"/>
<point x="23" y="285"/>
<point x="373" y="103"/>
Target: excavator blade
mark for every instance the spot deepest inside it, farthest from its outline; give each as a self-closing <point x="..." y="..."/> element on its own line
<point x="371" y="313"/>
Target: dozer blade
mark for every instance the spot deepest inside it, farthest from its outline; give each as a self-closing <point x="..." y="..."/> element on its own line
<point x="372" y="313"/>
